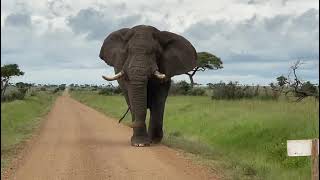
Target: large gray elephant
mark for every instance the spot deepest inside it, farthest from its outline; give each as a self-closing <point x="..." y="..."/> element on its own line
<point x="144" y="60"/>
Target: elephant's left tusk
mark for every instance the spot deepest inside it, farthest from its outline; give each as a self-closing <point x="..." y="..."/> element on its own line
<point x="159" y="75"/>
<point x="115" y="77"/>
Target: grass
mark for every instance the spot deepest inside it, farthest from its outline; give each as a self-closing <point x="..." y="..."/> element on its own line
<point x="246" y="139"/>
<point x="19" y="119"/>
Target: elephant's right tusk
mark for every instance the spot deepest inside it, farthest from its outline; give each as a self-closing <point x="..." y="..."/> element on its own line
<point x="159" y="75"/>
<point x="115" y="77"/>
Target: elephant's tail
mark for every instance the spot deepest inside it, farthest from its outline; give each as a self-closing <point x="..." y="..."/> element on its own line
<point x="124" y="115"/>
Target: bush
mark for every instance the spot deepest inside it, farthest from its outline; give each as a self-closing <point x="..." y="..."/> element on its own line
<point x="32" y="92"/>
<point x="62" y="87"/>
<point x="197" y="92"/>
<point x="105" y="91"/>
<point x="14" y="94"/>
<point x="43" y="89"/>
<point x="180" y="88"/>
<point x="232" y="90"/>
<point x="110" y="90"/>
<point x="184" y="88"/>
<point x="309" y="88"/>
<point x="55" y="90"/>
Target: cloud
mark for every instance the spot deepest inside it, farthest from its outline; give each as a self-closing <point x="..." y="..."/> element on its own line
<point x="280" y="37"/>
<point x="58" y="7"/>
<point x="60" y="40"/>
<point x="257" y="1"/>
<point x="18" y="20"/>
<point x="96" y="25"/>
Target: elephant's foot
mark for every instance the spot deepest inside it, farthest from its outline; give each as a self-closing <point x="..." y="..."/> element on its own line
<point x="140" y="141"/>
<point x="155" y="135"/>
<point x="140" y="137"/>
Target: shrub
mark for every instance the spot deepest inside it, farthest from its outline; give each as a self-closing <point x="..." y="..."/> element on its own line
<point x="110" y="90"/>
<point x="105" y="91"/>
<point x="233" y="90"/>
<point x="197" y="91"/>
<point x="180" y="88"/>
<point x="55" y="90"/>
<point x="32" y="92"/>
<point x="62" y="87"/>
<point x="14" y="94"/>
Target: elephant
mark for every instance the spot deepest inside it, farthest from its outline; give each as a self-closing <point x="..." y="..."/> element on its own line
<point x="144" y="60"/>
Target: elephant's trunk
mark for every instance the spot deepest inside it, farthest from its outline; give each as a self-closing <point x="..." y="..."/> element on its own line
<point x="138" y="101"/>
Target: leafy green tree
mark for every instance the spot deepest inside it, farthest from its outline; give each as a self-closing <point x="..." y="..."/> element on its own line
<point x="8" y="71"/>
<point x="62" y="87"/>
<point x="23" y="88"/>
<point x="282" y="80"/>
<point x="205" y="61"/>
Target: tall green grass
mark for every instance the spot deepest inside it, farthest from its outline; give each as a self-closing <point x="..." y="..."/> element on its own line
<point x="19" y="118"/>
<point x="245" y="138"/>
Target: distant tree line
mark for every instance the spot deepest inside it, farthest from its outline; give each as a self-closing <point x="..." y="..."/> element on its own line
<point x="18" y="91"/>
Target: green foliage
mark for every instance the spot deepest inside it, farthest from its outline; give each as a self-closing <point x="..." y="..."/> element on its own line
<point x="7" y="71"/>
<point x="205" y="61"/>
<point x="62" y="87"/>
<point x="232" y="91"/>
<point x="10" y="70"/>
<point x="282" y="81"/>
<point x="23" y="87"/>
<point x="55" y="90"/>
<point x="32" y="92"/>
<point x="197" y="91"/>
<point x="309" y="88"/>
<point x="14" y="94"/>
<point x="110" y="90"/>
<point x="208" y="61"/>
<point x="246" y="139"/>
<point x="184" y="88"/>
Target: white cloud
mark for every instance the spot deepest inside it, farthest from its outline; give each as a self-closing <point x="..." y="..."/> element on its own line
<point x="60" y="40"/>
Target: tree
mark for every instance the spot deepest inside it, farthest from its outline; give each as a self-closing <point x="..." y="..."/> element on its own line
<point x="282" y="80"/>
<point x="301" y="89"/>
<point x="205" y="61"/>
<point x="8" y="71"/>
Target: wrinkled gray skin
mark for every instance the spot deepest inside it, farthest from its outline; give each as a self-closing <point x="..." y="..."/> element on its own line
<point x="139" y="52"/>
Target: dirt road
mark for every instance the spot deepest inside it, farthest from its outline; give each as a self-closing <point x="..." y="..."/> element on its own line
<point x="77" y="142"/>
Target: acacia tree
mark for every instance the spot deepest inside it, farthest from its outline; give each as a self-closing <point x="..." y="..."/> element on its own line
<point x="8" y="71"/>
<point x="205" y="61"/>
<point x="282" y="81"/>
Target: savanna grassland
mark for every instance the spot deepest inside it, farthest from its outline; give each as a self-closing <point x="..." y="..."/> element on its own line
<point x="19" y="119"/>
<point x="244" y="139"/>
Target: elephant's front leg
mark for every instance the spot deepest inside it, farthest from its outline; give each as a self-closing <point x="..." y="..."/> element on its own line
<point x="138" y="106"/>
<point x="157" y="94"/>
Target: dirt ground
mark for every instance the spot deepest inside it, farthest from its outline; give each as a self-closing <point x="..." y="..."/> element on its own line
<point x="77" y="142"/>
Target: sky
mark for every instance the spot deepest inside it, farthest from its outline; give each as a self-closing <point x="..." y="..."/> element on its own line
<point x="58" y="41"/>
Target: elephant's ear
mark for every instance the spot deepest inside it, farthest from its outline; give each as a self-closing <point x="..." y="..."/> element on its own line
<point x="113" y="50"/>
<point x="178" y="55"/>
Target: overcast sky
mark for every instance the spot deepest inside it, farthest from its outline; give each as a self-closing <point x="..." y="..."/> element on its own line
<point x="58" y="41"/>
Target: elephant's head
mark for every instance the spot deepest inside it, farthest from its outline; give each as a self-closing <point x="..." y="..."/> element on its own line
<point x="144" y="52"/>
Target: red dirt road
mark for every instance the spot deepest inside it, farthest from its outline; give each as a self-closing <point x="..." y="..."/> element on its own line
<point x="77" y="142"/>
